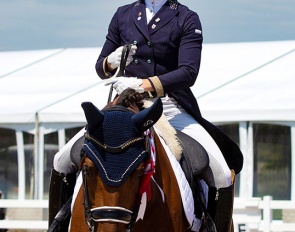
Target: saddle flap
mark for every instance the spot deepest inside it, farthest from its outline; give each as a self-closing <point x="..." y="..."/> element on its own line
<point x="194" y="157"/>
<point x="75" y="152"/>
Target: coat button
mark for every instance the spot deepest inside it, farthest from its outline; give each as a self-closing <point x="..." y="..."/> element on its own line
<point x="134" y="42"/>
<point x="135" y="61"/>
<point x="149" y="61"/>
<point x="149" y="43"/>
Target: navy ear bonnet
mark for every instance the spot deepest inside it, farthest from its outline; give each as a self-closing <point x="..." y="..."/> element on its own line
<point x="113" y="128"/>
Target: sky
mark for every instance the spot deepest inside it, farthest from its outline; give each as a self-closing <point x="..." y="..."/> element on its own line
<point x="48" y="24"/>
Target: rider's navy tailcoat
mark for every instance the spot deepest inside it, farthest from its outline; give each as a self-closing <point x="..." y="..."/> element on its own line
<point x="168" y="47"/>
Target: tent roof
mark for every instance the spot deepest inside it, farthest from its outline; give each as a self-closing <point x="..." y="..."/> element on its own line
<point x="36" y="80"/>
<point x="247" y="82"/>
<point x="237" y="82"/>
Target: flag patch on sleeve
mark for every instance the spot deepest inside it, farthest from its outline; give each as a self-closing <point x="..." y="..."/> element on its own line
<point x="197" y="31"/>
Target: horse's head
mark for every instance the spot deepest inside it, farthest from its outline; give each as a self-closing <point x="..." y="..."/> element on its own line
<point x="114" y="156"/>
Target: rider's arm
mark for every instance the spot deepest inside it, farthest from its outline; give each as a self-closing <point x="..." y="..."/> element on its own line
<point x="153" y="85"/>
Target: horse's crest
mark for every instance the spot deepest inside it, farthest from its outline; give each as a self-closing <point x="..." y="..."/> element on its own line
<point x="114" y="140"/>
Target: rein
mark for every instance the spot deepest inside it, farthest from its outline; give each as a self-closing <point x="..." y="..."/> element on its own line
<point x="111" y="213"/>
<point x="121" y="69"/>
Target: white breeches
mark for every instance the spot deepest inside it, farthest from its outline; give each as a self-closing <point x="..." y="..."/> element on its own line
<point x="218" y="175"/>
<point x="62" y="159"/>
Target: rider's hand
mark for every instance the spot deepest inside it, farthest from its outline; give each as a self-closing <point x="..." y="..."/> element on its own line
<point x="122" y="83"/>
<point x="114" y="58"/>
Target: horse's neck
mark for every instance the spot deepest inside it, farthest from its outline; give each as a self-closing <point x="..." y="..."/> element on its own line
<point x="170" y="207"/>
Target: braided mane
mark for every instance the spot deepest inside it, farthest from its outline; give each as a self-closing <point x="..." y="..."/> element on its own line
<point x="129" y="97"/>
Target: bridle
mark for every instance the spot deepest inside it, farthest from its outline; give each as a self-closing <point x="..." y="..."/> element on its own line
<point x="111" y="213"/>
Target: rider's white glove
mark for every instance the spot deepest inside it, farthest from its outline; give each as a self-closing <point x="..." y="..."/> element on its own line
<point x="114" y="58"/>
<point x="122" y="83"/>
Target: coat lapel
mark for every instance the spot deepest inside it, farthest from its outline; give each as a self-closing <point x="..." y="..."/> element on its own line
<point x="161" y="18"/>
<point x="139" y="19"/>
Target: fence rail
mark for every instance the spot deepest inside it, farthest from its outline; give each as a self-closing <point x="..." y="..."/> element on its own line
<point x="30" y="209"/>
<point x="250" y="215"/>
<point x="255" y="214"/>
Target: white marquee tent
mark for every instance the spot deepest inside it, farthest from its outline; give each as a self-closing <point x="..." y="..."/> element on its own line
<point x="237" y="81"/>
<point x="41" y="91"/>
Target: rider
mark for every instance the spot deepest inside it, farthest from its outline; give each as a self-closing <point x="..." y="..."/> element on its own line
<point x="164" y="62"/>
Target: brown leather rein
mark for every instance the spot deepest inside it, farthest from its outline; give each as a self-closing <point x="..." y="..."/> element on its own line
<point x="113" y="214"/>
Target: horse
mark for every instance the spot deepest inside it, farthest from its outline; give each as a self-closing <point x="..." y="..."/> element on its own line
<point x="124" y="187"/>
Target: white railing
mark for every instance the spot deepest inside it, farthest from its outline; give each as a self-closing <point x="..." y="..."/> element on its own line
<point x="255" y="214"/>
<point x="30" y="205"/>
<point x="250" y="215"/>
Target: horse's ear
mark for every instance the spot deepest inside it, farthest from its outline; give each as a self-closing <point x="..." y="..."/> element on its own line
<point x="93" y="115"/>
<point x="148" y="117"/>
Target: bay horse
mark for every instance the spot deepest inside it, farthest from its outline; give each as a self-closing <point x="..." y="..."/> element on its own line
<point x="117" y="172"/>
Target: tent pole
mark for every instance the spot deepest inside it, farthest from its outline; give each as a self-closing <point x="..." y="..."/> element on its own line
<point x="21" y="165"/>
<point x="246" y="145"/>
<point x="40" y="163"/>
<point x="250" y="159"/>
<point x="61" y="138"/>
<point x="36" y="154"/>
<point x="293" y="162"/>
<point x="243" y="147"/>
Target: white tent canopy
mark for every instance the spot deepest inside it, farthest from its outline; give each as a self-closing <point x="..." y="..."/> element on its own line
<point x="42" y="91"/>
<point x="247" y="82"/>
<point x="237" y="81"/>
<point x="36" y="81"/>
